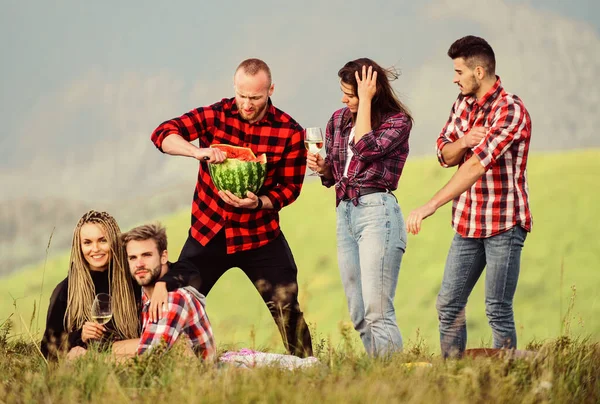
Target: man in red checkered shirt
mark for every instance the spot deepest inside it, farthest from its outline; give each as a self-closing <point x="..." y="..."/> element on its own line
<point x="184" y="314"/>
<point x="487" y="135"/>
<point x="227" y="231"/>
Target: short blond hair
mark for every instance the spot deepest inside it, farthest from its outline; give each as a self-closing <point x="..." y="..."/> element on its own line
<point x="252" y="66"/>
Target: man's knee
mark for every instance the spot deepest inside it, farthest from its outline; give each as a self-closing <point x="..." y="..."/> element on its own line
<point x="497" y="311"/>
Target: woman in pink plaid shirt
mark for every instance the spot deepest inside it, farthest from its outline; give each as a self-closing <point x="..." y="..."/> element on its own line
<point x="367" y="146"/>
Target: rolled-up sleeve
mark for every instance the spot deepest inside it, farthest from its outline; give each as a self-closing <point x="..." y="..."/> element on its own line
<point x="329" y="133"/>
<point x="509" y="125"/>
<point x="449" y="134"/>
<point x="375" y="144"/>
<point x="290" y="172"/>
<point x="189" y="126"/>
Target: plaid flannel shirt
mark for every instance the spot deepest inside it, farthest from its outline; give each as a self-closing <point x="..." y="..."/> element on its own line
<point x="185" y="316"/>
<point x="499" y="200"/>
<point x="277" y="135"/>
<point x="379" y="156"/>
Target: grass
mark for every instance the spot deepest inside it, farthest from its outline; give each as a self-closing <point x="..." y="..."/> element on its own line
<point x="563" y="370"/>
<point x="558" y="284"/>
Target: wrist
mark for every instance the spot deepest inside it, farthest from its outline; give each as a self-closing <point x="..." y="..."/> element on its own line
<point x="259" y="204"/>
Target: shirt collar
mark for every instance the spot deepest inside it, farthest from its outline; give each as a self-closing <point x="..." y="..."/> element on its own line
<point x="269" y="116"/>
<point x="488" y="97"/>
<point x="346" y="119"/>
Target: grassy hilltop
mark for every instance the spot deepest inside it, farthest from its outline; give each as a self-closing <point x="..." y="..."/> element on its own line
<point x="559" y="275"/>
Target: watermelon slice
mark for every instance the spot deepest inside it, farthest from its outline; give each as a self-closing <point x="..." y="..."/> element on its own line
<point x="241" y="172"/>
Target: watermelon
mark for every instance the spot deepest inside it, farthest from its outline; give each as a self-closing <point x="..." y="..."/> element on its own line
<point x="241" y="171"/>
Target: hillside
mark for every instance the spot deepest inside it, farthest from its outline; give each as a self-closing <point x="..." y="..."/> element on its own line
<point x="559" y="265"/>
<point x="28" y="224"/>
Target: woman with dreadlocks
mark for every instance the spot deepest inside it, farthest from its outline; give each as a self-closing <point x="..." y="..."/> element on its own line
<point x="97" y="265"/>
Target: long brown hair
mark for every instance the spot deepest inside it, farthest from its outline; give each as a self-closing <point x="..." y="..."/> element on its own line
<point x="81" y="292"/>
<point x="385" y="100"/>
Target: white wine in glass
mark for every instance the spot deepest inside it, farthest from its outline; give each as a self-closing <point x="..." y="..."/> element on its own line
<point x="102" y="308"/>
<point x="313" y="141"/>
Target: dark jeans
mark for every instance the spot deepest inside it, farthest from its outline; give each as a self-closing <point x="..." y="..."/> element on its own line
<point x="272" y="270"/>
<point x="501" y="254"/>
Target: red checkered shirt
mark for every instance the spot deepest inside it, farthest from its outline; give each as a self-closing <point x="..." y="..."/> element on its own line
<point x="277" y="135"/>
<point x="499" y="200"/>
<point x="185" y="316"/>
<point x="379" y="156"/>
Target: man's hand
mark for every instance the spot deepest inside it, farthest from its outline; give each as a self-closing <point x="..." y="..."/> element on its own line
<point x="250" y="202"/>
<point x="158" y="303"/>
<point x="413" y="223"/>
<point x="473" y="137"/>
<point x="91" y="330"/>
<point x="210" y="155"/>
<point x="316" y="163"/>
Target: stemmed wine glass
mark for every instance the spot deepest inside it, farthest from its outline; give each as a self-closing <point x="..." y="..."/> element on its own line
<point x="102" y="308"/>
<point x="313" y="140"/>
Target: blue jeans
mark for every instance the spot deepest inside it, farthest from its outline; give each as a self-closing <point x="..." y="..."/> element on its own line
<point x="371" y="239"/>
<point x="466" y="259"/>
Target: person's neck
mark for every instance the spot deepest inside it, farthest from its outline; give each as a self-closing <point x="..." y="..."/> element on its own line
<point x="486" y="85"/>
<point x="148" y="291"/>
<point x="261" y="116"/>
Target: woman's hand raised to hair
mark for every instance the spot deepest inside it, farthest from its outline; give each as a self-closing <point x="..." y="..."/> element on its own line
<point x="366" y="83"/>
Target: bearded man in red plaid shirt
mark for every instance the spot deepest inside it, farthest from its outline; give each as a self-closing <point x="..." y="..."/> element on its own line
<point x="487" y="135"/>
<point x="184" y="315"/>
<point x="227" y="231"/>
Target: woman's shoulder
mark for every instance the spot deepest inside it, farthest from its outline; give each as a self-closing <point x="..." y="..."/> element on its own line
<point x="396" y="119"/>
<point x="61" y="290"/>
<point x="341" y="117"/>
<point x="342" y="112"/>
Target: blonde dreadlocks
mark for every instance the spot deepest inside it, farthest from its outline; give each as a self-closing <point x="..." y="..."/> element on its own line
<point x="81" y="290"/>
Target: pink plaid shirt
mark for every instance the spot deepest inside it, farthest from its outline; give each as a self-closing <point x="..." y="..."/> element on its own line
<point x="379" y="156"/>
<point x="499" y="200"/>
<point x="185" y="316"/>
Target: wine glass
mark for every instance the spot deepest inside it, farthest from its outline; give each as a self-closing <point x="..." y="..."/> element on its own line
<point x="313" y="141"/>
<point x="102" y="308"/>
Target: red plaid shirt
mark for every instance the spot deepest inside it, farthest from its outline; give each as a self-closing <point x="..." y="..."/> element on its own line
<point x="185" y="316"/>
<point x="379" y="156"/>
<point x="499" y="200"/>
<point x="277" y="135"/>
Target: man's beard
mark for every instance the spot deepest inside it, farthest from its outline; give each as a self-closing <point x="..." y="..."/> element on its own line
<point x="154" y="276"/>
<point x="474" y="86"/>
<point x="256" y="114"/>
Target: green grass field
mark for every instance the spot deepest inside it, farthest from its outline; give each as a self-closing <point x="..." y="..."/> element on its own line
<point x="559" y="273"/>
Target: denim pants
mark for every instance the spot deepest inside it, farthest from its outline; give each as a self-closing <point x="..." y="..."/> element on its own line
<point x="371" y="239"/>
<point x="501" y="254"/>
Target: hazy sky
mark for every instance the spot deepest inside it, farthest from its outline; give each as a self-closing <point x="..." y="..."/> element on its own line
<point x="78" y="78"/>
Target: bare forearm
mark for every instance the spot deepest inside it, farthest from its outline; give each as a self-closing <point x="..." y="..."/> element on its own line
<point x="177" y="146"/>
<point x="123" y="350"/>
<point x="363" y="120"/>
<point x="461" y="181"/>
<point x="454" y="152"/>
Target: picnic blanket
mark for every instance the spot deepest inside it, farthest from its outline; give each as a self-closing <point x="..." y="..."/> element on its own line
<point x="248" y="358"/>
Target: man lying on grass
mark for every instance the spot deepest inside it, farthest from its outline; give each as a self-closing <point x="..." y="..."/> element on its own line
<point x="185" y="316"/>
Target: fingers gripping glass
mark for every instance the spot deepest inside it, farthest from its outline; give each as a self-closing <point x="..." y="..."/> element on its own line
<point x="102" y="308"/>
<point x="313" y="141"/>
